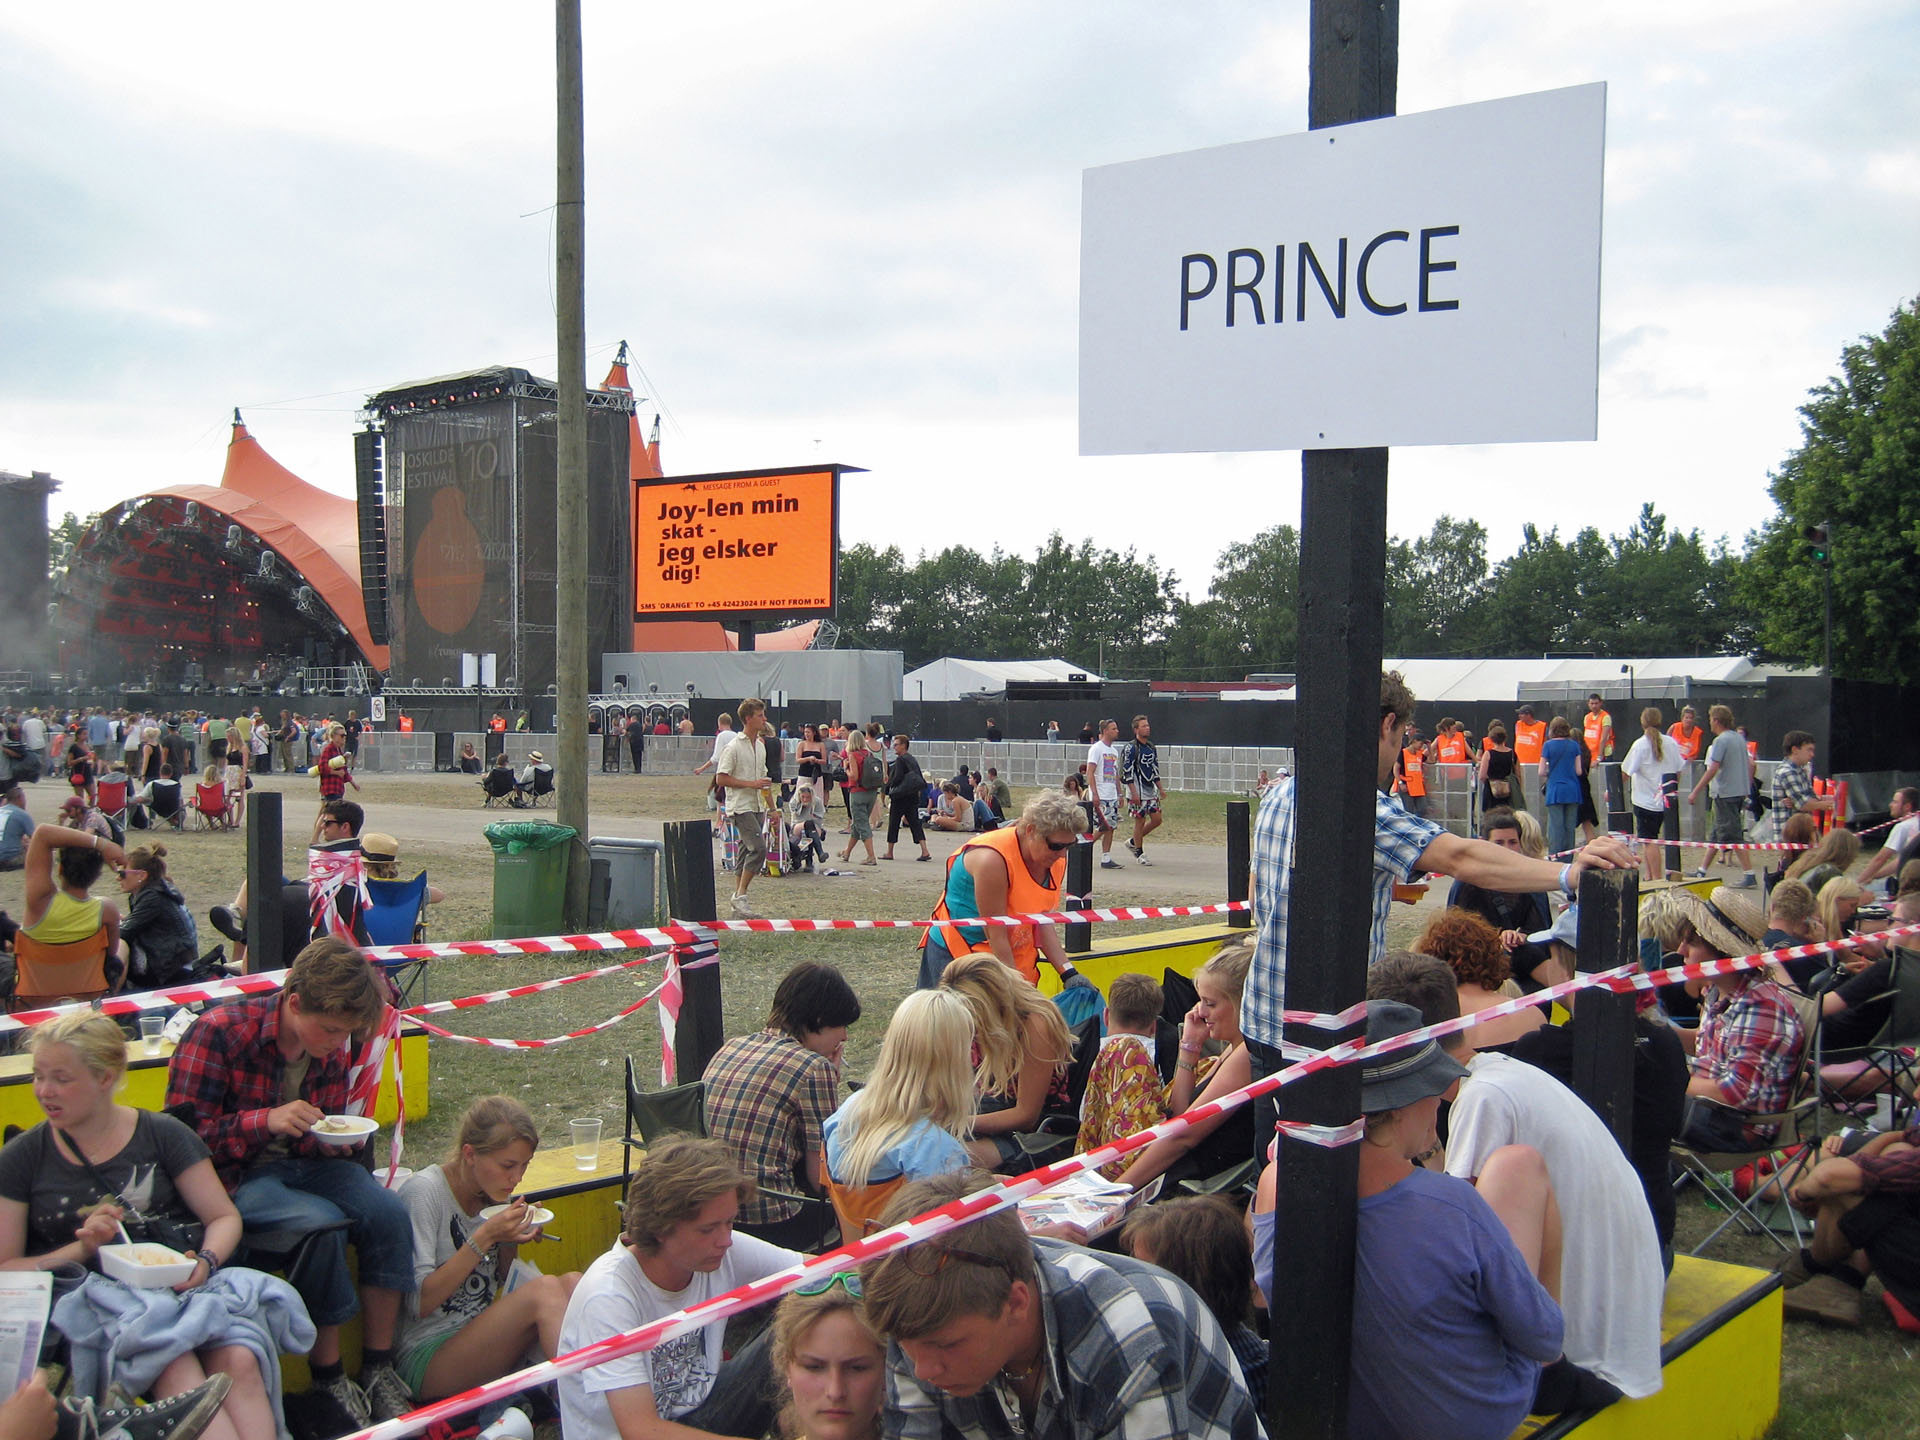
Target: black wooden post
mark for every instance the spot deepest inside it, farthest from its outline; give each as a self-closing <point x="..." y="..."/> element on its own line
<point x="1079" y="887"/>
<point x="1354" y="54"/>
<point x="266" y="948"/>
<point x="689" y="876"/>
<point x="1603" y="1040"/>
<point x="1239" y="860"/>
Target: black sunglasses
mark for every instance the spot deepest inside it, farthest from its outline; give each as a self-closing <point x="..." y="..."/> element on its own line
<point x="1058" y="845"/>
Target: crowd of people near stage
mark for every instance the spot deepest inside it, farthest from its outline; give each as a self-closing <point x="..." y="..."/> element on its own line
<point x="1512" y="1250"/>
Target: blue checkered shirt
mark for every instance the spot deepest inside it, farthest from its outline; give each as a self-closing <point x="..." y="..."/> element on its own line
<point x="1399" y="840"/>
<point x="1131" y="1354"/>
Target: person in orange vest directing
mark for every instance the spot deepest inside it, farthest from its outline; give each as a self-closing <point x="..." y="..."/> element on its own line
<point x="1412" y="782"/>
<point x="1529" y="735"/>
<point x="1017" y="869"/>
<point x="1449" y="743"/>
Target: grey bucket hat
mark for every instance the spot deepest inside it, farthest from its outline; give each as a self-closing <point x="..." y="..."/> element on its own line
<point x="1402" y="1077"/>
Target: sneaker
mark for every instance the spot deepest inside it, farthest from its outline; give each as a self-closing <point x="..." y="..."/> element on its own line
<point x="1107" y="862"/>
<point x="183" y="1417"/>
<point x="1141" y="856"/>
<point x="1133" y="849"/>
<point x="387" y="1394"/>
<point x="742" y="909"/>
<point x="1825" y="1298"/>
<point x="349" y="1397"/>
<point x="1744" y="881"/>
<point x="1699" y="874"/>
<point x="229" y="923"/>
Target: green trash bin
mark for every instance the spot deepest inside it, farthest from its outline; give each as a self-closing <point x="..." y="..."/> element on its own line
<point x="529" y="877"/>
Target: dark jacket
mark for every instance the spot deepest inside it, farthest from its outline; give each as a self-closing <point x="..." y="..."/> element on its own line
<point x="159" y="936"/>
<point x="905" y="780"/>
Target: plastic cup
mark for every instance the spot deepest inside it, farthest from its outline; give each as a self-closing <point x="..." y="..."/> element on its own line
<point x="150" y="1028"/>
<point x="586" y="1144"/>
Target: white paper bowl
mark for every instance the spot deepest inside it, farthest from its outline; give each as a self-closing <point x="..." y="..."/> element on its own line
<point x="126" y="1263"/>
<point x="358" y="1128"/>
<point x="535" y="1214"/>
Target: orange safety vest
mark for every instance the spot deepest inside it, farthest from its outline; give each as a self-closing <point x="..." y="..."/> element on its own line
<point x="1451" y="749"/>
<point x="1596" y="722"/>
<point x="497" y="725"/>
<point x="1688" y="747"/>
<point x="406" y="724"/>
<point x="1024" y="894"/>
<point x="1527" y="740"/>
<point x="1414" y="763"/>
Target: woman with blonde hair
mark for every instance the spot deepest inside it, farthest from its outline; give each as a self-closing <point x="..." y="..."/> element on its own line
<point x="70" y="1184"/>
<point x="831" y="1367"/>
<point x="915" y="1115"/>
<point x="1533" y="839"/>
<point x="478" y="1309"/>
<point x="1209" y="1146"/>
<point x="1833" y="855"/>
<point x="1022" y="1048"/>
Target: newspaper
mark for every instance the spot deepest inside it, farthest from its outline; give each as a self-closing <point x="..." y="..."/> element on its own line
<point x="1087" y="1199"/>
<point x="25" y="1298"/>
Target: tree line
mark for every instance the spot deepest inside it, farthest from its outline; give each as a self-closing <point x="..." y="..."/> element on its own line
<point x="1653" y="590"/>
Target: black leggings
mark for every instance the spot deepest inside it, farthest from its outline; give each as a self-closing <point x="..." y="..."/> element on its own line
<point x="909" y="811"/>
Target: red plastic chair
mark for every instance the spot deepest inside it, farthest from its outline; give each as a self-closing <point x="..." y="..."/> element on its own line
<point x="112" y="800"/>
<point x="211" y="805"/>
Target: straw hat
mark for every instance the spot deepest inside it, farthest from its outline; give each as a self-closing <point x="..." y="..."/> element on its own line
<point x="536" y="757"/>
<point x="376" y="845"/>
<point x="1714" y="924"/>
<point x="1744" y="909"/>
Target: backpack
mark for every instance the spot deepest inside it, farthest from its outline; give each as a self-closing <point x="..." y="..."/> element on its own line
<point x="871" y="775"/>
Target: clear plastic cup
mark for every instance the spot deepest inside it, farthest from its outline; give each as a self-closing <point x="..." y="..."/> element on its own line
<point x="150" y="1029"/>
<point x="586" y="1144"/>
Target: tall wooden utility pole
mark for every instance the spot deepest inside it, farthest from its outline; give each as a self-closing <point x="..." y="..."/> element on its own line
<point x="1353" y="58"/>
<point x="570" y="609"/>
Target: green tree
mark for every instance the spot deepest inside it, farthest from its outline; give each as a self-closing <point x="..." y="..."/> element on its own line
<point x="1857" y="469"/>
<point x="1250" y="620"/>
<point x="1435" y="587"/>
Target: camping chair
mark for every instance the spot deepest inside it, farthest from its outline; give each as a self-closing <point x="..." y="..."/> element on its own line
<point x="112" y="801"/>
<point x="51" y="974"/>
<point x="210" y="808"/>
<point x="682" y="1110"/>
<point x="1794" y="1147"/>
<point x="1894" y="1054"/>
<point x="497" y="785"/>
<point x="542" y="784"/>
<point x="396" y="917"/>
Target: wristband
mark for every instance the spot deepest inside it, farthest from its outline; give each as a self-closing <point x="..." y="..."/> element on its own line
<point x="1068" y="970"/>
<point x="1566" y="880"/>
<point x="212" y="1261"/>
<point x="478" y="1252"/>
<point x="1185" y="1065"/>
<point x="1190" y="1049"/>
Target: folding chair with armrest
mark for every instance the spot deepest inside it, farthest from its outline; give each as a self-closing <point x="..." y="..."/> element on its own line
<point x="1892" y="1060"/>
<point x="111" y="797"/>
<point x="397" y="917"/>
<point x="48" y="974"/>
<point x="210" y="807"/>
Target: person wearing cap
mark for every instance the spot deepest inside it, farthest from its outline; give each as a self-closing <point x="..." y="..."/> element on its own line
<point x="1612" y="1283"/>
<point x="1404" y="845"/>
<point x="1454" y="1317"/>
<point x="535" y="777"/>
<point x="1748" y="1043"/>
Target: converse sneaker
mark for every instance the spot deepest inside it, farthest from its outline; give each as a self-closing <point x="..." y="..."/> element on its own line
<point x="349" y="1397"/>
<point x="387" y="1394"/>
<point x="183" y="1417"/>
<point x="1107" y="862"/>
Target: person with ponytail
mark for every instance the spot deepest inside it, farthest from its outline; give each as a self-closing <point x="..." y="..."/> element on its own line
<point x="1654" y="757"/>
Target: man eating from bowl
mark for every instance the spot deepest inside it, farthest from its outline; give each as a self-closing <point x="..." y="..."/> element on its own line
<point x="261" y="1073"/>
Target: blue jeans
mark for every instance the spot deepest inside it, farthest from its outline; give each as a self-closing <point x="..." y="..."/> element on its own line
<point x="283" y="1200"/>
<point x="1562" y="826"/>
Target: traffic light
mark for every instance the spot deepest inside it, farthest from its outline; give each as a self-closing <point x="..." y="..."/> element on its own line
<point x="1818" y="541"/>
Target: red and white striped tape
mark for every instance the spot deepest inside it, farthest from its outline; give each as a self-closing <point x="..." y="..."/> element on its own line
<point x="1010" y="1192"/>
<point x="1777" y="845"/>
<point x="668" y="981"/>
<point x="1034" y="917"/>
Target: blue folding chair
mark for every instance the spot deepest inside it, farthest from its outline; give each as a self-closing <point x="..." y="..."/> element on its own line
<point x="394" y="918"/>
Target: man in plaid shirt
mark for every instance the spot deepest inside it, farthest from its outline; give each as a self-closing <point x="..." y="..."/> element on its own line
<point x="1404" y="845"/>
<point x="261" y="1073"/>
<point x="768" y="1095"/>
<point x="995" y="1335"/>
<point x="1793" y="780"/>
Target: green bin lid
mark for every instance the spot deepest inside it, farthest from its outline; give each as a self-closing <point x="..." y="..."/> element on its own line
<point x="513" y="836"/>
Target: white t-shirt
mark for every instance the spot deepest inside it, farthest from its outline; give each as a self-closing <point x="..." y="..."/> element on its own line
<point x="615" y="1295"/>
<point x="1902" y="834"/>
<point x="1611" y="1283"/>
<point x="1104" y="760"/>
<point x="720" y="743"/>
<point x="1648" y="770"/>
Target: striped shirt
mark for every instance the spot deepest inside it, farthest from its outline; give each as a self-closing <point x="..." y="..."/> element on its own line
<point x="1131" y="1354"/>
<point x="1399" y="840"/>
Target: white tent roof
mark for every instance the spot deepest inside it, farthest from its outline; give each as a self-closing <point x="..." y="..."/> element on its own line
<point x="949" y="677"/>
<point x="1443" y="680"/>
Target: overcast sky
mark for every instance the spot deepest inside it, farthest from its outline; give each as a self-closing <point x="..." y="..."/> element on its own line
<point x="851" y="232"/>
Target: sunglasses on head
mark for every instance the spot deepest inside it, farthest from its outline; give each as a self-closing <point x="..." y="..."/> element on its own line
<point x="847" y="1280"/>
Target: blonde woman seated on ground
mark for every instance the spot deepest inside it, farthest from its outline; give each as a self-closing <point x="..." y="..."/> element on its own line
<point x="479" y="1312"/>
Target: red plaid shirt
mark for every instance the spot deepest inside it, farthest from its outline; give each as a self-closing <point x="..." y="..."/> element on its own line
<point x="333" y="783"/>
<point x="1749" y="1046"/>
<point x="230" y="1069"/>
